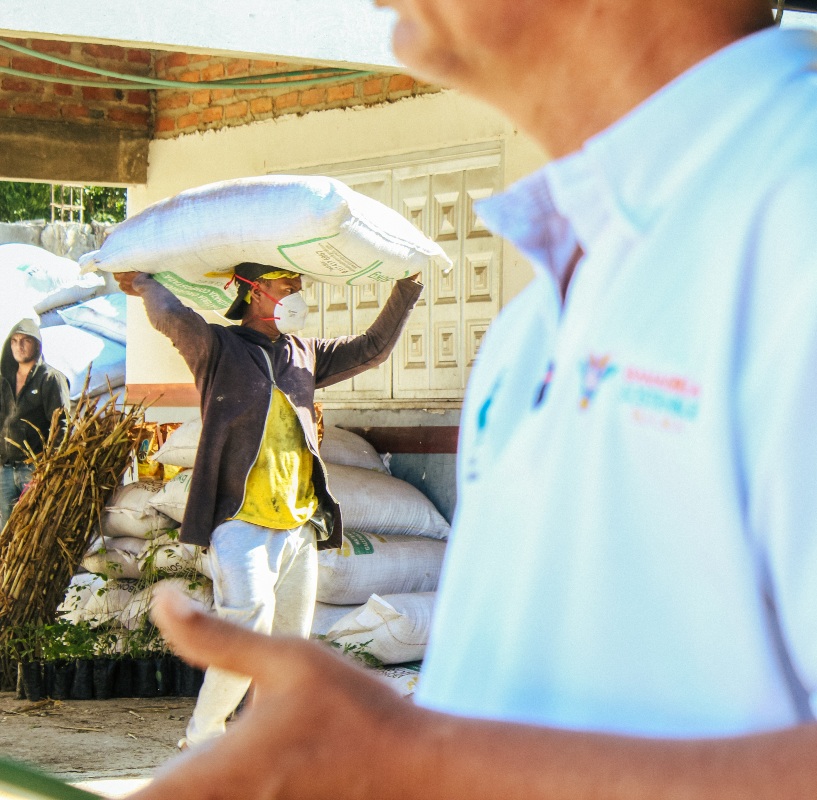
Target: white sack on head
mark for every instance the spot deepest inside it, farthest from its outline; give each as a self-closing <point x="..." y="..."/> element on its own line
<point x="104" y="316"/>
<point x="343" y="447"/>
<point x="377" y="503"/>
<point x="313" y="225"/>
<point x="367" y="564"/>
<point x="33" y="277"/>
<point x="394" y="628"/>
<point x="180" y="448"/>
<point x="171" y="499"/>
<point x="199" y="591"/>
<point x="129" y="513"/>
<point x="114" y="557"/>
<point x="73" y="351"/>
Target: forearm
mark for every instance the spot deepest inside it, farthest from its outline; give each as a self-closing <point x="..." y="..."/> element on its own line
<point x="320" y="727"/>
<point x="387" y="327"/>
<point x="187" y="330"/>
<point x="381" y="336"/>
<point x="450" y="758"/>
<point x="347" y="356"/>
<point x="165" y="311"/>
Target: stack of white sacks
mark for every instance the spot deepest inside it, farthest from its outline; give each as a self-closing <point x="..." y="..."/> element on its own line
<point x="138" y="547"/>
<point x="82" y="317"/>
<point x="375" y="593"/>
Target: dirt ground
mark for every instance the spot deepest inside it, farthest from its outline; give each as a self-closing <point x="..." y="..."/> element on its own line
<point x="82" y="741"/>
<point x="111" y="747"/>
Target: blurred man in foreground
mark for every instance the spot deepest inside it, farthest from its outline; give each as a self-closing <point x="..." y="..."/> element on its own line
<point x="640" y="422"/>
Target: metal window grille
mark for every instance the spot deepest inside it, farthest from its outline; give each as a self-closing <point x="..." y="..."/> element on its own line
<point x="67" y="203"/>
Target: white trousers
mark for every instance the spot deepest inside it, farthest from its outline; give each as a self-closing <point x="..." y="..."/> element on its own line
<point x="265" y="580"/>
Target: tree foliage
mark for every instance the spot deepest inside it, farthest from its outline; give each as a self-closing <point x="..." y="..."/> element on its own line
<point x="29" y="201"/>
<point x="24" y="201"/>
<point x="105" y="203"/>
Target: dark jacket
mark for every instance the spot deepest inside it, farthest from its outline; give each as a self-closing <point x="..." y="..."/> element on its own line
<point x="233" y="380"/>
<point x="25" y="419"/>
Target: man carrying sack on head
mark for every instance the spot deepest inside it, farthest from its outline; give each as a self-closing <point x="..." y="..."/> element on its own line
<point x="259" y="497"/>
<point x="30" y="392"/>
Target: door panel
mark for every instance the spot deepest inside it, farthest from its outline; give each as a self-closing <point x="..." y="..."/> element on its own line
<point x="438" y="347"/>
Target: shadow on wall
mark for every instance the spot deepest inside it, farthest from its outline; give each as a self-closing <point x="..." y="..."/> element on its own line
<point x="434" y="474"/>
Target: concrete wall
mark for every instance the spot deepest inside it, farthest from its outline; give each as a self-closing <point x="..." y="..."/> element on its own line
<point x="69" y="239"/>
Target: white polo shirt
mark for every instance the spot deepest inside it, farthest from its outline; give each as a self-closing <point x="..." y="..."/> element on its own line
<point x="635" y="544"/>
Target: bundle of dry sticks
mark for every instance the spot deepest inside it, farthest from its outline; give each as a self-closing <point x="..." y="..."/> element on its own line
<point x="48" y="531"/>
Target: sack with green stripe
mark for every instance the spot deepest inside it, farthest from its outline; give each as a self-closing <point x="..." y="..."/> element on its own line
<point x="368" y="564"/>
<point x="313" y="225"/>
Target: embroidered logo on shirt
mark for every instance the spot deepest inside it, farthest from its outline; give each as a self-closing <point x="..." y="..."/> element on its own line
<point x="594" y="372"/>
<point x="541" y="392"/>
<point x="482" y="416"/>
<point x="34" y="391"/>
<point x="473" y="471"/>
<point x="661" y="399"/>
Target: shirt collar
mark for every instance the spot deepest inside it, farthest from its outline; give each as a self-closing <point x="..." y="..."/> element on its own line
<point x="627" y="173"/>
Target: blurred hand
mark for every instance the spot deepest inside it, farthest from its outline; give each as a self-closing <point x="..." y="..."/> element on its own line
<point x="318" y="725"/>
<point x="125" y="281"/>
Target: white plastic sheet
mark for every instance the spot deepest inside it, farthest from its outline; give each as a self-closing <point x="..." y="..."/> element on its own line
<point x="104" y="316"/>
<point x="31" y="277"/>
<point x="74" y="352"/>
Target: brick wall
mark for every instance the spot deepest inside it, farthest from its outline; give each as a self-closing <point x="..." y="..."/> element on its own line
<point x="33" y="99"/>
<point x="187" y="111"/>
<point x="169" y="113"/>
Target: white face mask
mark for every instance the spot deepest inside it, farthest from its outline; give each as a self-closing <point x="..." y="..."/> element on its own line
<point x="290" y="313"/>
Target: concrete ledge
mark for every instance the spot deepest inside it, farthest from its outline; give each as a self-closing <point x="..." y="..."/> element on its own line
<point x="433" y="440"/>
<point x="64" y="152"/>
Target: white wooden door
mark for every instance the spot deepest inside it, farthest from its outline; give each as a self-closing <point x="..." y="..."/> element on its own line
<point x="438" y="347"/>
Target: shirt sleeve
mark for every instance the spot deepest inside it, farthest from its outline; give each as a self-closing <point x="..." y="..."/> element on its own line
<point x="188" y="331"/>
<point x="777" y="415"/>
<point x="346" y="356"/>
